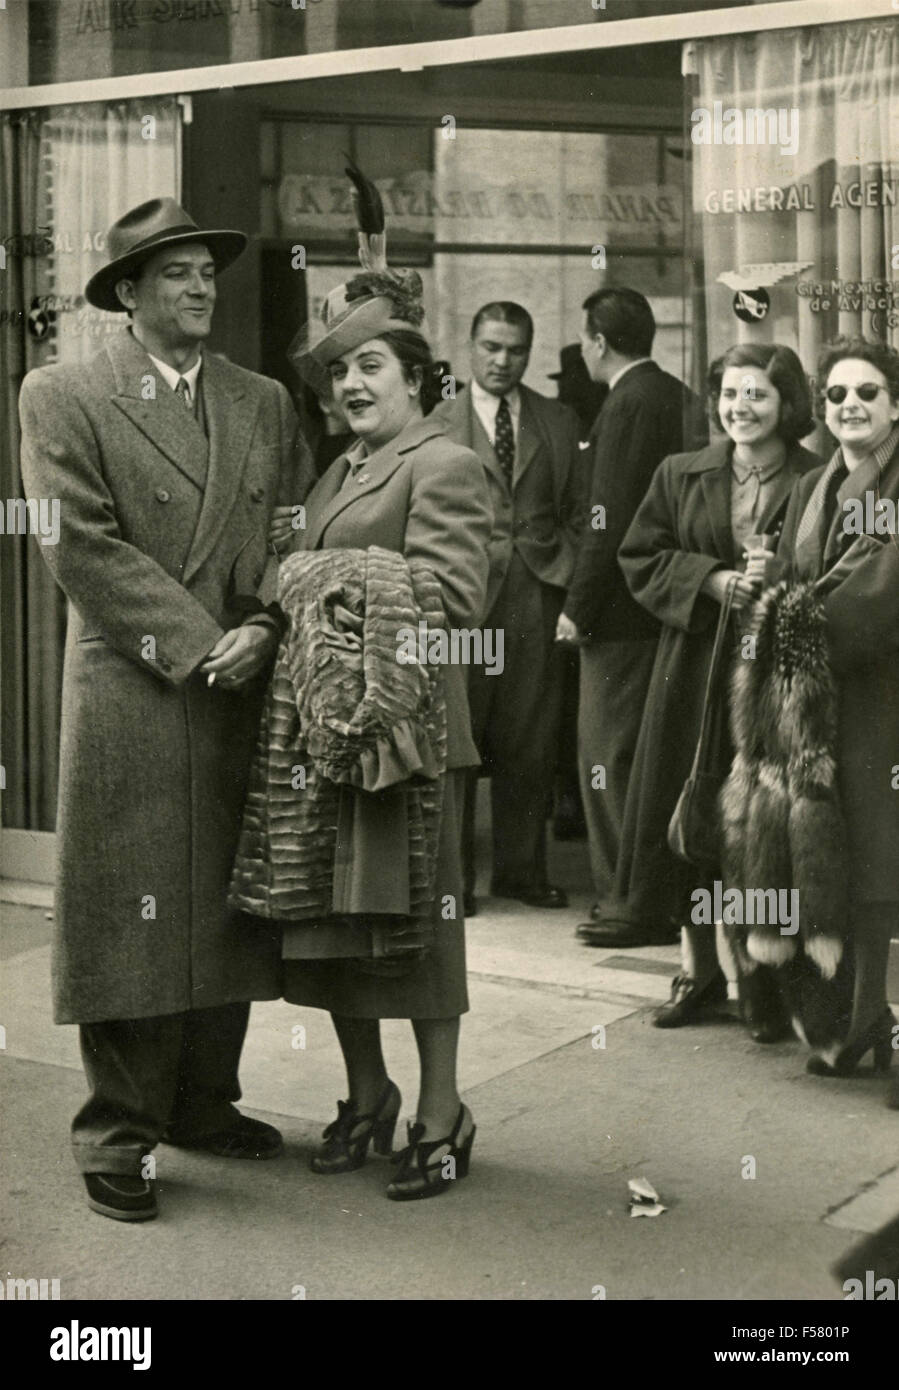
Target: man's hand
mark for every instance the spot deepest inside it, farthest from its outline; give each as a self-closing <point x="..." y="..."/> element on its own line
<point x="566" y="630"/>
<point x="281" y="527"/>
<point x="239" y="655"/>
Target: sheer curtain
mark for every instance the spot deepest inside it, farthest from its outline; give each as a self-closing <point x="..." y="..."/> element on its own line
<point x="815" y="228"/>
<point x="65" y="174"/>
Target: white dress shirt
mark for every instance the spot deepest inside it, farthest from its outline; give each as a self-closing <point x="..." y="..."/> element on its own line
<point x="172" y="377"/>
<point x="486" y="406"/>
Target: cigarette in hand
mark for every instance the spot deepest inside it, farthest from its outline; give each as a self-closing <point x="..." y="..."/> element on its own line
<point x="210" y="679"/>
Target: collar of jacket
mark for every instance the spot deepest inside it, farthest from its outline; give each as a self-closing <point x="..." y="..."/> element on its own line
<point x="216" y="465"/>
<point x="717" y="455"/>
<point x="634" y="373"/>
<point x="713" y="465"/>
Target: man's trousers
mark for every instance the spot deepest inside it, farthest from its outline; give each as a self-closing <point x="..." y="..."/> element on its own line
<point x="174" y="1075"/>
<point x="614" y="681"/>
<point x="514" y="719"/>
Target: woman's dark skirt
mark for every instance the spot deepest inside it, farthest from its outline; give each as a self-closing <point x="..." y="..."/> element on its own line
<point x="430" y="987"/>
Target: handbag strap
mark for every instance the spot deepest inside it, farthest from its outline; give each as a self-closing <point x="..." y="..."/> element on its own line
<point x="708" y="707"/>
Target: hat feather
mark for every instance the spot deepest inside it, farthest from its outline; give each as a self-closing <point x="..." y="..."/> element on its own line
<point x="369" y="210"/>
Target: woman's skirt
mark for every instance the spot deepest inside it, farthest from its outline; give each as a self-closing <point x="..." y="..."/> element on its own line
<point x="430" y="986"/>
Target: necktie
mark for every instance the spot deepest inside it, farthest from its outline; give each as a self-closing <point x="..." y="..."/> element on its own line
<point x="504" y="440"/>
<point x="181" y="390"/>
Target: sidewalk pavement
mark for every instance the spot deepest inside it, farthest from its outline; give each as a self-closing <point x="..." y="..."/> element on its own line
<point x="563" y="1123"/>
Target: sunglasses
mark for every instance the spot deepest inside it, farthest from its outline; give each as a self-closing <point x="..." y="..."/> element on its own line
<point x="868" y="391"/>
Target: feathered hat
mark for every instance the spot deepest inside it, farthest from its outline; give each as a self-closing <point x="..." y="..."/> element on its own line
<point x="370" y="304"/>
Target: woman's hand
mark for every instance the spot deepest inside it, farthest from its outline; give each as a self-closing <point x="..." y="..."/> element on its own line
<point x="716" y="585"/>
<point x="758" y="568"/>
<point x="281" y="529"/>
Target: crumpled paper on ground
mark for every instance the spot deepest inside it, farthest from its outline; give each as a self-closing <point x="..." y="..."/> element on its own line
<point x="644" y="1198"/>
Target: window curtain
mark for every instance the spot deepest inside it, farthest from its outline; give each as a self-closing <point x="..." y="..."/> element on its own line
<point x="814" y="229"/>
<point x="65" y="174"/>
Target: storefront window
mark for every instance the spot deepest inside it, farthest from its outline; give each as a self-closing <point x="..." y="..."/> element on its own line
<point x="796" y="186"/>
<point x="537" y="216"/>
<point x="68" y="39"/>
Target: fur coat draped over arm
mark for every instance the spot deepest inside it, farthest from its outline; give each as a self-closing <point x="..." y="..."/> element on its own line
<point x="352" y="746"/>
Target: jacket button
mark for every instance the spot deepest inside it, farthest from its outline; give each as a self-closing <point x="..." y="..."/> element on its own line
<point x="163" y="495"/>
<point x="257" y="494"/>
<point x="257" y="578"/>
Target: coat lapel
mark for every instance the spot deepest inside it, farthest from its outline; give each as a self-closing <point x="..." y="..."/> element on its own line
<point x="530" y="437"/>
<point x="162" y="419"/>
<point x="329" y="501"/>
<point x="231" y="415"/>
<point x="798" y="461"/>
<point x="477" y="440"/>
<point x="715" y="482"/>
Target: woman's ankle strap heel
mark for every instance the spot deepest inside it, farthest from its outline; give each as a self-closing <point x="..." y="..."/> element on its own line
<point x="347" y="1138"/>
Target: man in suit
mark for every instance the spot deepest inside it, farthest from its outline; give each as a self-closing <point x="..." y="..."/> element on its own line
<point x="528" y="445"/>
<point x="167" y="463"/>
<point x="641" y="422"/>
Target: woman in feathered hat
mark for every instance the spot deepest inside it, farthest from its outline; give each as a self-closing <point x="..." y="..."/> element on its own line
<point x="402" y="486"/>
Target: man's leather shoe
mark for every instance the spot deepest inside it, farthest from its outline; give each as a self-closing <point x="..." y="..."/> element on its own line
<point x="623" y="934"/>
<point x="122" y="1196"/>
<point x="544" y="896"/>
<point x="688" y="999"/>
<point x="245" y="1139"/>
<point x="470" y="905"/>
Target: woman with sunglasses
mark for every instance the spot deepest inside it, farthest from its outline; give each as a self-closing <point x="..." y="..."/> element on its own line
<point x="827" y="511"/>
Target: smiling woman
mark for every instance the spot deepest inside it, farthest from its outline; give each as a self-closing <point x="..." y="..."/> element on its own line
<point x="702" y="540"/>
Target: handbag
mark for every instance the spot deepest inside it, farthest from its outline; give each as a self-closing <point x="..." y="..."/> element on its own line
<point x="693" y="828"/>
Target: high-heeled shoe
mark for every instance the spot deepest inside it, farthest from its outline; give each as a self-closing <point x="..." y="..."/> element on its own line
<point x="347" y="1138"/>
<point x="877" y="1037"/>
<point x="420" y="1173"/>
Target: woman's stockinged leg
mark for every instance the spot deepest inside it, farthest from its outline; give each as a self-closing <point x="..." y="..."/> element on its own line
<point x="438" y="1102"/>
<point x="873" y="925"/>
<point x="360" y="1043"/>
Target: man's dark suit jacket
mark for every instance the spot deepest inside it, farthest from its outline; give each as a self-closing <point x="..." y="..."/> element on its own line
<point x="641" y="423"/>
<point x="541" y="517"/>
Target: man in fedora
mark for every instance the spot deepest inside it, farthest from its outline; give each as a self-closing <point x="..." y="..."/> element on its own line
<point x="167" y="463"/>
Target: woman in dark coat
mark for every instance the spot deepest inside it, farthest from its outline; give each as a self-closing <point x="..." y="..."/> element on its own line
<point x="851" y="506"/>
<point x="402" y="486"/>
<point x="687" y="542"/>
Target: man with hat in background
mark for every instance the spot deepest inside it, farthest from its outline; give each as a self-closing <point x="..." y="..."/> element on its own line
<point x="167" y="463"/>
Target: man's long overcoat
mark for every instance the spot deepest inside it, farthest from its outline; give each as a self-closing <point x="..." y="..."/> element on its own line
<point x="159" y="528"/>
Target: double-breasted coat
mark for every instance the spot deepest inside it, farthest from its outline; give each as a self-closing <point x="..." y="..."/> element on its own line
<point x="159" y="529"/>
<point x="862" y="616"/>
<point x="680" y="533"/>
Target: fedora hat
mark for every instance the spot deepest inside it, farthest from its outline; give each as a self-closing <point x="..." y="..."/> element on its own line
<point x="141" y="233"/>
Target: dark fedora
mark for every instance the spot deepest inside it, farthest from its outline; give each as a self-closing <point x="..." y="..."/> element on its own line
<point x="141" y="233"/>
